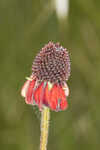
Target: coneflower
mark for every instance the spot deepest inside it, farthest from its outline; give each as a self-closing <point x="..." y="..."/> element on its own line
<point x="47" y="87"/>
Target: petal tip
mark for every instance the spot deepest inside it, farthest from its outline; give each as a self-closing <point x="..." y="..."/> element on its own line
<point x="25" y="88"/>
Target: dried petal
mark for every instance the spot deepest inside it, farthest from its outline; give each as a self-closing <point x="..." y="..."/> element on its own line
<point x="25" y="88"/>
<point x="66" y="89"/>
<point x="29" y="98"/>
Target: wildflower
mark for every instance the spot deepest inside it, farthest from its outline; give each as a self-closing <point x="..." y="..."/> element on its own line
<point x="47" y="84"/>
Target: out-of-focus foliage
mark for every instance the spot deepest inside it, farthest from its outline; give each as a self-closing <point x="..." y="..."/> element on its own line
<point x="25" y="26"/>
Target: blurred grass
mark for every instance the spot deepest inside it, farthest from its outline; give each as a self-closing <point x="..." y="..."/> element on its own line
<point x="25" y="26"/>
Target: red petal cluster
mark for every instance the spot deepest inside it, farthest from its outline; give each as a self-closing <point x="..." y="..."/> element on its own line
<point x="41" y="94"/>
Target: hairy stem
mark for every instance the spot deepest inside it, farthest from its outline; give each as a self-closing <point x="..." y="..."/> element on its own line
<point x="45" y="116"/>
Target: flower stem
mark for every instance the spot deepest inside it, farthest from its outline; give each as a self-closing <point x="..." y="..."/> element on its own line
<point x="45" y="116"/>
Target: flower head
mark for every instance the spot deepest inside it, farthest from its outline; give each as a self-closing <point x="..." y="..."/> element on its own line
<point x="47" y="84"/>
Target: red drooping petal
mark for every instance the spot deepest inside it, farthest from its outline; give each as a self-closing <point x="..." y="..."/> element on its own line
<point x="56" y="98"/>
<point x="39" y="95"/>
<point x="29" y="97"/>
<point x="63" y="104"/>
<point x="47" y="95"/>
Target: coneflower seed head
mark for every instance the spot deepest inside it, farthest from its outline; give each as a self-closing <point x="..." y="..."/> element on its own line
<point x="52" y="64"/>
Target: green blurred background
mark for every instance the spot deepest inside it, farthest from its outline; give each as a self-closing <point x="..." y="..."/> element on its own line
<point x="25" y="26"/>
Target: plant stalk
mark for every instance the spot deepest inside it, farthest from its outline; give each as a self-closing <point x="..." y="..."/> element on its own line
<point x="45" y="116"/>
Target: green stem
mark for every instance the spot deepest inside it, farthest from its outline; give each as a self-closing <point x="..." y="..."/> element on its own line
<point x="45" y="116"/>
